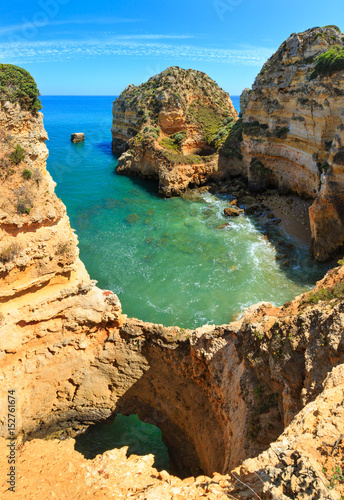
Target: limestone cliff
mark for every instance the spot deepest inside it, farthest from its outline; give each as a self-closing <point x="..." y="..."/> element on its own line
<point x="220" y="394"/>
<point x="292" y="131"/>
<point x="171" y="126"/>
<point x="49" y="307"/>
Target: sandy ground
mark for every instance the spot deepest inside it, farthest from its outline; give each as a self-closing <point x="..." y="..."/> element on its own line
<point x="294" y="214"/>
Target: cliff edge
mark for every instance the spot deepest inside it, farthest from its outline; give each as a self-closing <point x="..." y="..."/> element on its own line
<point x="291" y="133"/>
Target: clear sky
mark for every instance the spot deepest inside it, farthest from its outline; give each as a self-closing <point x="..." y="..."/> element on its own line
<point x="98" y="47"/>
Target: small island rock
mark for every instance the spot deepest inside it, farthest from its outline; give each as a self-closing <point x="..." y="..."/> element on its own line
<point x="77" y="137"/>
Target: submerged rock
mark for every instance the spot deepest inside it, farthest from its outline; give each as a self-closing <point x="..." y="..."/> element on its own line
<point x="231" y="212"/>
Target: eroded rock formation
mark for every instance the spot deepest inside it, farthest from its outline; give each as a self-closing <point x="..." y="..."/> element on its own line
<point x="220" y="394"/>
<point x="292" y="132"/>
<point x="171" y="126"/>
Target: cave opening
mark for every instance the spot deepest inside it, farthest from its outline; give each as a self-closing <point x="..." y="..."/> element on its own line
<point x="141" y="438"/>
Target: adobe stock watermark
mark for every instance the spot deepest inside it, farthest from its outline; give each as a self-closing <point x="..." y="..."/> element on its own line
<point x="222" y="7"/>
<point x="150" y="71"/>
<point x="28" y="28"/>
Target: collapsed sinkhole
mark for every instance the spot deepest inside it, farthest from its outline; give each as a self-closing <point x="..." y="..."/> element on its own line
<point x="141" y="439"/>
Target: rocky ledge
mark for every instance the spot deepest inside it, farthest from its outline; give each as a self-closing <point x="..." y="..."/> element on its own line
<point x="170" y="128"/>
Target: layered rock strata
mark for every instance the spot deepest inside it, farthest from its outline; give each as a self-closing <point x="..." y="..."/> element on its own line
<point x="169" y="129"/>
<point x="292" y="132"/>
<point x="219" y="394"/>
<point x="49" y="307"/>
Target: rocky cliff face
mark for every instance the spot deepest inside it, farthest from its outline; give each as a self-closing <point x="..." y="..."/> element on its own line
<point x="292" y="130"/>
<point x="49" y="307"/>
<point x="171" y="126"/>
<point x="220" y="394"/>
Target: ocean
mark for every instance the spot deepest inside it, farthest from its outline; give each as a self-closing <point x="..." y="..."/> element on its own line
<point x="164" y="258"/>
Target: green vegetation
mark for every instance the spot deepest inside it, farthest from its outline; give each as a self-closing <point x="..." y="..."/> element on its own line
<point x="17" y="155"/>
<point x="18" y="86"/>
<point x="337" y="476"/>
<point x="329" y="62"/>
<point x="209" y="118"/>
<point x="24" y="206"/>
<point x="169" y="143"/>
<point x="63" y="248"/>
<point x="9" y="253"/>
<point x="281" y="132"/>
<point x="27" y="174"/>
<point x="176" y="157"/>
<point x="334" y="27"/>
<point x="262" y="129"/>
<point x="173" y="142"/>
<point x="222" y="133"/>
<point x="325" y="294"/>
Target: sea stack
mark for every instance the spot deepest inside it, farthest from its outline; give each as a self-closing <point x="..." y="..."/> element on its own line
<point x="170" y="128"/>
<point x="78" y="137"/>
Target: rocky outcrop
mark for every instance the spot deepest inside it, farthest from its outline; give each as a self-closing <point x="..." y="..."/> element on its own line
<point x="78" y="137"/>
<point x="291" y="132"/>
<point x="172" y="125"/>
<point x="219" y="395"/>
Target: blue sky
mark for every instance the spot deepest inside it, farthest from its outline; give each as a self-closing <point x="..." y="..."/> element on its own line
<point x="98" y="47"/>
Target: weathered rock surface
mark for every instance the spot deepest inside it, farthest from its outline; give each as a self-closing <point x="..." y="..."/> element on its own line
<point x="292" y="133"/>
<point x="49" y="307"/>
<point x="170" y="125"/>
<point x="220" y="394"/>
<point x="78" y="137"/>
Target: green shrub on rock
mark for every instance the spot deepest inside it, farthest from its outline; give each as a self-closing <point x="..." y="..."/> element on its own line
<point x="17" y="155"/>
<point x="18" y="86"/>
<point x="329" y="62"/>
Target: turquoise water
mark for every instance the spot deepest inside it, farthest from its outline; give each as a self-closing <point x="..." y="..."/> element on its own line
<point x="142" y="439"/>
<point x="166" y="259"/>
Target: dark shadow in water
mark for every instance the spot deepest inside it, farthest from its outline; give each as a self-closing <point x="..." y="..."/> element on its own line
<point x="105" y="147"/>
<point x="149" y="185"/>
<point x="291" y="259"/>
<point x="141" y="439"/>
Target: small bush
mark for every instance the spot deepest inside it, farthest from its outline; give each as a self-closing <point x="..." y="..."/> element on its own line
<point x="325" y="294"/>
<point x="63" y="248"/>
<point x="9" y="253"/>
<point x="24" y="206"/>
<point x="329" y="62"/>
<point x="27" y="174"/>
<point x="231" y="146"/>
<point x="334" y="27"/>
<point x="18" y="86"/>
<point x="17" y="155"/>
<point x="339" y="157"/>
<point x="169" y="143"/>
